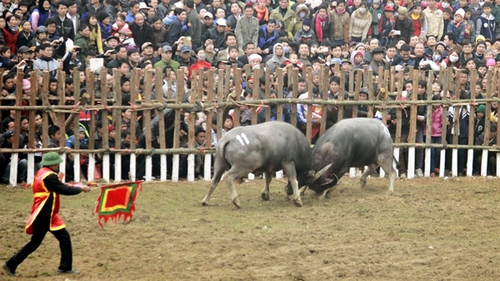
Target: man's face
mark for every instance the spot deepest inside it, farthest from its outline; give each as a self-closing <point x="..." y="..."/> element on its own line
<point x="233" y="53"/>
<point x="220" y="28"/>
<point x="463" y="78"/>
<point x="405" y="55"/>
<point x="283" y="4"/>
<point x="373" y="44"/>
<point x="134" y="57"/>
<point x="334" y="87"/>
<point x="186" y="55"/>
<point x="134" y="9"/>
<point x="122" y="53"/>
<point x="401" y="16"/>
<point x="467" y="49"/>
<point x="250" y="49"/>
<point x="139" y="19"/>
<point x="231" y="41"/>
<point x="62" y="10"/>
<point x="480" y="49"/>
<point x="72" y="9"/>
<point x="432" y="3"/>
<point x="278" y="51"/>
<point x="378" y="57"/>
<point x="148" y="51"/>
<point x="235" y="8"/>
<point x="419" y="50"/>
<point x="48" y="52"/>
<point x="167" y="56"/>
<point x="271" y="27"/>
<point x="413" y="41"/>
<point x="248" y="12"/>
<point x="304" y="50"/>
<point x="220" y="14"/>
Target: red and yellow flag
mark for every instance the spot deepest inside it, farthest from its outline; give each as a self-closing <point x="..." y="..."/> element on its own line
<point x="117" y="200"/>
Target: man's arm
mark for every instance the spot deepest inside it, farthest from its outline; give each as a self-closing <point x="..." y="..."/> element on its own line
<point x="52" y="183"/>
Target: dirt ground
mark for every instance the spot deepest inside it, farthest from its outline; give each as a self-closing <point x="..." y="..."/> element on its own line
<point x="430" y="229"/>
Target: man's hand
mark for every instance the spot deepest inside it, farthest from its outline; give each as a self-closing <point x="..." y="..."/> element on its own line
<point x="85" y="188"/>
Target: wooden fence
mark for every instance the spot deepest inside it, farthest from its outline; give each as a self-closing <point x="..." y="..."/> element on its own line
<point x="213" y="92"/>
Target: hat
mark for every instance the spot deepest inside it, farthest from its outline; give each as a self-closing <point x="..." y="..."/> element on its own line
<point x="378" y="50"/>
<point x="306" y="21"/>
<point x="493" y="127"/>
<point x="169" y="19"/>
<point x="403" y="11"/>
<point x="102" y="15"/>
<point x="352" y="43"/>
<point x="185" y="48"/>
<point x="32" y="49"/>
<point x="334" y="61"/>
<point x="254" y="57"/>
<point x="363" y="90"/>
<point x="41" y="29"/>
<point x="346" y="61"/>
<point x="376" y="2"/>
<point x="26" y="84"/>
<point x="480" y="38"/>
<point x="208" y="14"/>
<point x="481" y="108"/>
<point x="389" y="9"/>
<point x="441" y="43"/>
<point x="51" y="158"/>
<point x="143" y="5"/>
<point x="145" y="45"/>
<point x="112" y="37"/>
<point x="359" y="44"/>
<point x="110" y="128"/>
<point x="221" y="22"/>
<point x="460" y="12"/>
<point x="81" y="130"/>
<point x="23" y="49"/>
<point x="491" y="62"/>
<point x="166" y="48"/>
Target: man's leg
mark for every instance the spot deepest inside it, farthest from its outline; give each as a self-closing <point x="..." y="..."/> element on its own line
<point x="66" y="252"/>
<point x="40" y="228"/>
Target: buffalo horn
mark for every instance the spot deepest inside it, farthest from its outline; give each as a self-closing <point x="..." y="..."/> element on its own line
<point x="321" y="172"/>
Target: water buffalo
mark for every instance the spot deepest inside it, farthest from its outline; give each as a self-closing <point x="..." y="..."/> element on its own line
<point x="266" y="147"/>
<point x="349" y="143"/>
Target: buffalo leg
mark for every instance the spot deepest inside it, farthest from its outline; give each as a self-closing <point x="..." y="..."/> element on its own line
<point x="290" y="171"/>
<point x="386" y="164"/>
<point x="368" y="172"/>
<point x="265" y="192"/>
<point x="219" y="169"/>
<point x="232" y="175"/>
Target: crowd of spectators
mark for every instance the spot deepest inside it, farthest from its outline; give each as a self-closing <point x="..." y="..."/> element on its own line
<point x="196" y="35"/>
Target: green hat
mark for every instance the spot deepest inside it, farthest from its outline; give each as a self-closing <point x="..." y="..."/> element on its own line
<point x="481" y="108"/>
<point x="51" y="158"/>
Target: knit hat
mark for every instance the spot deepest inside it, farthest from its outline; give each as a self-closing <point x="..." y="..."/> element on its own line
<point x="491" y="62"/>
<point x="307" y="21"/>
<point x="403" y="11"/>
<point x="460" y="12"/>
<point x="102" y="16"/>
<point x="26" y="84"/>
<point x="255" y="57"/>
<point x="110" y="128"/>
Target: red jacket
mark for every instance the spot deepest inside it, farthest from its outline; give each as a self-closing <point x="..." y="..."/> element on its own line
<point x="10" y="39"/>
<point x="199" y="64"/>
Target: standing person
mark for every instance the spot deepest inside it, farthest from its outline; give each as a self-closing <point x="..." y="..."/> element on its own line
<point x="341" y="23"/>
<point x="45" y="215"/>
<point x="193" y="23"/>
<point x="247" y="28"/>
<point x="360" y="23"/>
<point x="435" y="21"/>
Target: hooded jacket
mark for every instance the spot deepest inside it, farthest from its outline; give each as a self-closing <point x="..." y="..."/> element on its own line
<point x="296" y="24"/>
<point x="275" y="61"/>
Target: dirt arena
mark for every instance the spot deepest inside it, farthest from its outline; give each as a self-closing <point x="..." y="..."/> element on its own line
<point x="430" y="229"/>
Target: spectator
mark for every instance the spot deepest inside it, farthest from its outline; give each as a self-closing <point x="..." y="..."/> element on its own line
<point x="261" y="12"/>
<point x="283" y="13"/>
<point x="64" y="26"/>
<point x="178" y="27"/>
<point x="305" y="33"/>
<point x="435" y="21"/>
<point x="82" y="40"/>
<point x="159" y="32"/>
<point x="323" y="25"/>
<point x="247" y="28"/>
<point x="40" y="15"/>
<point x="11" y="32"/>
<point x="200" y="63"/>
<point x="360" y="23"/>
<point x="141" y="30"/>
<point x="485" y="24"/>
<point x="301" y="13"/>
<point x="73" y="15"/>
<point x="217" y="34"/>
<point x="193" y="23"/>
<point x="267" y="38"/>
<point x="341" y="23"/>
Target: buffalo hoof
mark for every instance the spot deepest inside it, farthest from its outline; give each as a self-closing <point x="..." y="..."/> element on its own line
<point x="265" y="196"/>
<point x="297" y="202"/>
<point x="363" y="183"/>
<point x="236" y="202"/>
<point x="302" y="190"/>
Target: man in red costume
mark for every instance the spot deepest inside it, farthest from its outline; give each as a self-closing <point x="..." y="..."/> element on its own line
<point x="45" y="215"/>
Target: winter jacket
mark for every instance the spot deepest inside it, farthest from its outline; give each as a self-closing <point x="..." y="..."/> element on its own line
<point x="437" y="122"/>
<point x="266" y="40"/>
<point x="485" y="26"/>
<point x="360" y="24"/>
<point x="296" y="24"/>
<point x="406" y="28"/>
<point x="341" y="25"/>
<point x="458" y="29"/>
<point x="274" y="62"/>
<point x="277" y="14"/>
